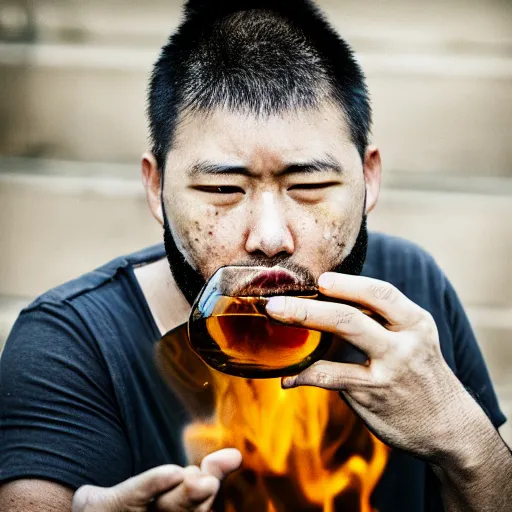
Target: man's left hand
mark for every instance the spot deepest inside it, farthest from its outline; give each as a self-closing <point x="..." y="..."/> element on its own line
<point x="406" y="393"/>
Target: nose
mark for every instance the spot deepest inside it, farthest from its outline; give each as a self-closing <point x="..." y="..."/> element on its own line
<point x="269" y="232"/>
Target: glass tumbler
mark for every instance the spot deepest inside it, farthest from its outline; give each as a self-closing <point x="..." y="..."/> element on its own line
<point x="229" y="328"/>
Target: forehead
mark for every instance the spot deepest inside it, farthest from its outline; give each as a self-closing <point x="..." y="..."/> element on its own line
<point x="242" y="138"/>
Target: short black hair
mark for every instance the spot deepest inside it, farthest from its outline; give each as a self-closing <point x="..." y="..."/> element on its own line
<point x="261" y="56"/>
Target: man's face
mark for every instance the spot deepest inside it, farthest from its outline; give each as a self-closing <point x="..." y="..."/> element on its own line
<point x="288" y="189"/>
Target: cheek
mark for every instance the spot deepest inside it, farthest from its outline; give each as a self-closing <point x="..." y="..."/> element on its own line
<point x="340" y="237"/>
<point x="208" y="239"/>
<point x="332" y="232"/>
<point x="332" y="238"/>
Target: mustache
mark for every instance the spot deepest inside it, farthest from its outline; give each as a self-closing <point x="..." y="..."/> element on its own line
<point x="283" y="262"/>
<point x="304" y="279"/>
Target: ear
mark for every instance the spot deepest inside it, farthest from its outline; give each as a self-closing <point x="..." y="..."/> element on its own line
<point x="372" y="168"/>
<point x="152" y="181"/>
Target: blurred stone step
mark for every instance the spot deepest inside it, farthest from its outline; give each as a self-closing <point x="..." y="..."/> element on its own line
<point x="496" y="344"/>
<point x="493" y="328"/>
<point x="468" y="234"/>
<point x="458" y="22"/>
<point x="61" y="219"/>
<point x="55" y="227"/>
<point x="10" y="308"/>
<point x="450" y="111"/>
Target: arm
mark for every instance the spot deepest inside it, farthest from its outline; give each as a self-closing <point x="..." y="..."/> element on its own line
<point x="165" y="488"/>
<point x="407" y="394"/>
<point x="60" y="423"/>
<point x="60" y="419"/>
<point x="478" y="476"/>
<point x="476" y="471"/>
<point x="29" y="495"/>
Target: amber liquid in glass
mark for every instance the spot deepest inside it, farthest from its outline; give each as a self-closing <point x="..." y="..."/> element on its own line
<point x="236" y="336"/>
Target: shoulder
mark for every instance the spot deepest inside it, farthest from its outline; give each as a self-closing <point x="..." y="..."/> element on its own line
<point x="403" y="263"/>
<point x="393" y="255"/>
<point x="408" y="267"/>
<point x="64" y="318"/>
<point x="414" y="271"/>
<point x="96" y="278"/>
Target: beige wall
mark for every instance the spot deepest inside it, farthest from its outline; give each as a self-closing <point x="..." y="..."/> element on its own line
<point x="73" y="76"/>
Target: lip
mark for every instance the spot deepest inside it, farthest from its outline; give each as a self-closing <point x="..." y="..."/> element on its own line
<point x="273" y="279"/>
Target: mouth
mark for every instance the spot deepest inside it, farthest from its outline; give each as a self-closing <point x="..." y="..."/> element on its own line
<point x="274" y="281"/>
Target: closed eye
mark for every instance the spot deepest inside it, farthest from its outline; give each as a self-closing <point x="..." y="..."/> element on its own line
<point x="224" y="189"/>
<point x="313" y="186"/>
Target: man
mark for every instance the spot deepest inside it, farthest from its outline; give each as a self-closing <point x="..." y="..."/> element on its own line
<point x="260" y="120"/>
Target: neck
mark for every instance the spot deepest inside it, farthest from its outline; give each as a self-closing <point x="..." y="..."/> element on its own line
<point x="165" y="300"/>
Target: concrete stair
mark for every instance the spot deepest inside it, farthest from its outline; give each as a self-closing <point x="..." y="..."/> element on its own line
<point x="441" y="80"/>
<point x="440" y="77"/>
<point x="94" y="104"/>
<point x="9" y="311"/>
<point x="458" y="22"/>
<point x="54" y="227"/>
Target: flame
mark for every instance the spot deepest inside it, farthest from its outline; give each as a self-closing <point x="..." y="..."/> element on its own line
<point x="302" y="448"/>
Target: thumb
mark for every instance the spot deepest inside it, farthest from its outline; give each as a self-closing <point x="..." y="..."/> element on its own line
<point x="222" y="462"/>
<point x="137" y="491"/>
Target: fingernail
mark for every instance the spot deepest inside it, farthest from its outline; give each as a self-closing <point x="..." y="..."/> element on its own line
<point x="326" y="280"/>
<point x="275" y="305"/>
<point x="289" y="382"/>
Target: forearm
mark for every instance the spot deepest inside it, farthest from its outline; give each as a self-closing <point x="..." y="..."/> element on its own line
<point x="476" y="470"/>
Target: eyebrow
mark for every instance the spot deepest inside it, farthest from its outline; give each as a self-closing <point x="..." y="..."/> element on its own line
<point x="327" y="163"/>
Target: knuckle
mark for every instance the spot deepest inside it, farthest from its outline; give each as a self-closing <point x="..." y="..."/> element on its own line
<point x="194" y="491"/>
<point x="381" y="377"/>
<point x="342" y="317"/>
<point x="318" y="374"/>
<point x="383" y="291"/>
<point x="80" y="498"/>
<point x="297" y="310"/>
<point x="90" y="498"/>
<point x="191" y="475"/>
<point x="322" y="378"/>
<point x="424" y="321"/>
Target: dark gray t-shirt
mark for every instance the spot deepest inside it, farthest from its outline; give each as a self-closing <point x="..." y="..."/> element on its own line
<point x="81" y="402"/>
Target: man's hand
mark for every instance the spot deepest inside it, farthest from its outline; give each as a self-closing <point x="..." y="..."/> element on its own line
<point x="162" y="489"/>
<point x="406" y="394"/>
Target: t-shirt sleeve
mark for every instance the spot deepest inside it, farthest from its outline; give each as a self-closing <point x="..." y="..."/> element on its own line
<point x="59" y="415"/>
<point x="471" y="368"/>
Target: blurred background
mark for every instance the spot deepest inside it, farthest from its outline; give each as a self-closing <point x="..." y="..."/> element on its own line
<point x="73" y="78"/>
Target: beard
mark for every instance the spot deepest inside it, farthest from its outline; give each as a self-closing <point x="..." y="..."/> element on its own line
<point x="191" y="282"/>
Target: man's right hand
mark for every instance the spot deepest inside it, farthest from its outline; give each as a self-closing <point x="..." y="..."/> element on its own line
<point x="162" y="489"/>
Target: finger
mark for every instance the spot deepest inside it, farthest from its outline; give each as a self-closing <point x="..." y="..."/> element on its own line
<point x="142" y="488"/>
<point x="329" y="375"/>
<point x="137" y="491"/>
<point x="222" y="462"/>
<point x="379" y="296"/>
<point x="346" y="321"/>
<point x="194" y="493"/>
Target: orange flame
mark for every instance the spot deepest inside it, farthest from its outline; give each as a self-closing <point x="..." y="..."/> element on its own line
<point x="302" y="447"/>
